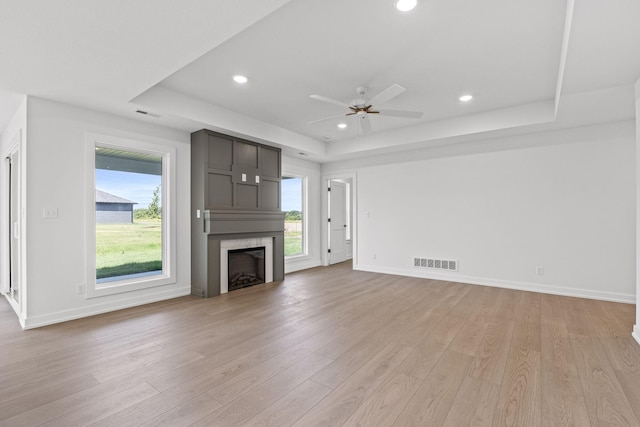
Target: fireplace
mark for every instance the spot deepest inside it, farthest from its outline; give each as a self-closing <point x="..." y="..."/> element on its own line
<point x="245" y="267"/>
<point x="245" y="262"/>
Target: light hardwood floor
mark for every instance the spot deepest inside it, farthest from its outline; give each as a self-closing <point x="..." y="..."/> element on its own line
<point x="330" y="346"/>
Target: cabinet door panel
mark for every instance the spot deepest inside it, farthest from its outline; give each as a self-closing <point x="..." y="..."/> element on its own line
<point x="220" y="191"/>
<point x="220" y="153"/>
<point x="270" y="195"/>
<point x="270" y="162"/>
<point x="245" y="154"/>
<point x="247" y="196"/>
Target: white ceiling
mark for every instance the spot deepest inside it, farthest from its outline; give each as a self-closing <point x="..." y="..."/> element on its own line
<point x="176" y="59"/>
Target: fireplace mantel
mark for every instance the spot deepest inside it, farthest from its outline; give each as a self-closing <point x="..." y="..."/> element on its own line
<point x="217" y="222"/>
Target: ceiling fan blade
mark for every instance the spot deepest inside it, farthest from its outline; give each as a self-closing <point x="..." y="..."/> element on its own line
<point x="387" y="94"/>
<point x="365" y="123"/>
<point x="401" y="113"/>
<point x="326" y="119"/>
<point x="329" y="100"/>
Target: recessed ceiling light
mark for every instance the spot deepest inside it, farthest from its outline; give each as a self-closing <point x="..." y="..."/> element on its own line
<point x="239" y="78"/>
<point x="466" y="98"/>
<point x="406" y="5"/>
<point x="342" y="125"/>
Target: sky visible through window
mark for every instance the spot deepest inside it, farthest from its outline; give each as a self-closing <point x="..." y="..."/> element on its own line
<point x="137" y="187"/>
<point x="292" y="194"/>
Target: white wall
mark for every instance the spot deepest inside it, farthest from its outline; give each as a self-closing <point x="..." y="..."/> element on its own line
<point x="566" y="202"/>
<point x="301" y="167"/>
<point x="56" y="178"/>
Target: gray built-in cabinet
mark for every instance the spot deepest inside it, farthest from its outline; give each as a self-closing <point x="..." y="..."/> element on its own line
<point x="235" y="194"/>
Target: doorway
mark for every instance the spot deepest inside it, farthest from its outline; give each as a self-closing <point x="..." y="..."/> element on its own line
<point x="337" y="222"/>
<point x="13" y="226"/>
<point x="340" y="220"/>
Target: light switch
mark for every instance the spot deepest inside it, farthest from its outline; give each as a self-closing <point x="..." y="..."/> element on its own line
<point x="50" y="213"/>
<point x="244" y="177"/>
<point x="197" y="213"/>
<point x="257" y="179"/>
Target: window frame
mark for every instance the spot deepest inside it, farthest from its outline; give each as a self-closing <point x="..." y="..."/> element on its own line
<point x="304" y="205"/>
<point x="349" y="231"/>
<point x="169" y="255"/>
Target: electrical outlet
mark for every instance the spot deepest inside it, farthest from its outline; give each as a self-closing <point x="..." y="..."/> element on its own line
<point x="540" y="270"/>
<point x="80" y="289"/>
<point x="374" y="256"/>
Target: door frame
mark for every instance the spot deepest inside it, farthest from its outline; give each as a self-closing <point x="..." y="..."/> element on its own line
<point x="16" y="147"/>
<point x="324" y="232"/>
<point x="340" y="210"/>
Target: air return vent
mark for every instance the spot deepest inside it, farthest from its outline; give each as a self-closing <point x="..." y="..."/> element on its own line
<point x="436" y="264"/>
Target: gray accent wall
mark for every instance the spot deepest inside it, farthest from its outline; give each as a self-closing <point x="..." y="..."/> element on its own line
<point x="235" y="194"/>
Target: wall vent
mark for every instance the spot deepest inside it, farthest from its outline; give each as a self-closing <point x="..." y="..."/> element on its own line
<point x="436" y="264"/>
<point x="146" y="113"/>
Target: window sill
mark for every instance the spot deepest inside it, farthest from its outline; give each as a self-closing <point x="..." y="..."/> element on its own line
<point x="129" y="283"/>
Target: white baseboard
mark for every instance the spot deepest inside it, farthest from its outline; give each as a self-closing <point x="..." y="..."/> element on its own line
<point x="636" y="333"/>
<point x="301" y="263"/>
<point x="521" y="286"/>
<point x="64" y="316"/>
<point x="16" y="308"/>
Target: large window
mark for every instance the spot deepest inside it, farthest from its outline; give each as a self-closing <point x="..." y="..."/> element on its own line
<point x="293" y="204"/>
<point x="131" y="229"/>
<point x="128" y="214"/>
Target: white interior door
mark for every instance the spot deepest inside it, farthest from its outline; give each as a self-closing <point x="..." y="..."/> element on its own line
<point x="337" y="222"/>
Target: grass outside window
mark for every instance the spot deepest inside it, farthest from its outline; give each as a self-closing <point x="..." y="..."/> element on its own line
<point x="123" y="249"/>
<point x="293" y="238"/>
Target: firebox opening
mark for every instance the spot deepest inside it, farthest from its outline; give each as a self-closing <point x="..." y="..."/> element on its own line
<point x="246" y="267"/>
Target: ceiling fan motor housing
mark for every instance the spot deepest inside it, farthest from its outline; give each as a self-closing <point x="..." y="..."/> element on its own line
<point x="362" y="101"/>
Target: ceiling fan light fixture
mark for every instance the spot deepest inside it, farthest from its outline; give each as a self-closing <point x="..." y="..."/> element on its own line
<point x="466" y="98"/>
<point x="406" y="5"/>
<point x="342" y="125"/>
<point x="239" y="78"/>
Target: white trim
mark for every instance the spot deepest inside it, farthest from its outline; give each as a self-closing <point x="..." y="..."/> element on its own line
<point x="498" y="283"/>
<point x="16" y="148"/>
<point x="563" y="54"/>
<point x="127" y="302"/>
<point x="636" y="331"/>
<point x="301" y="263"/>
<point x="169" y="255"/>
<point x="16" y="308"/>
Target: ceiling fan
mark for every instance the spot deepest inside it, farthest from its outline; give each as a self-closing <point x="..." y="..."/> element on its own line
<point x="362" y="107"/>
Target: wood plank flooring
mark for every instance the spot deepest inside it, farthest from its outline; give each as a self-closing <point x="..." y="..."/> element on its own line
<point x="330" y="347"/>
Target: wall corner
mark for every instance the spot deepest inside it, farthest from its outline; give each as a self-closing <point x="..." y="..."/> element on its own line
<point x="636" y="330"/>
